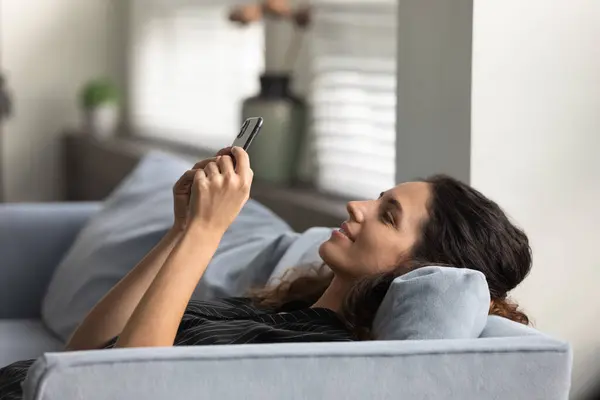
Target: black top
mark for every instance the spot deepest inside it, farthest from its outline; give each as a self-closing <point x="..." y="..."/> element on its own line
<point x="226" y="321"/>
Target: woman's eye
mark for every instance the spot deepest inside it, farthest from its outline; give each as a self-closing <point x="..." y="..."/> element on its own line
<point x="388" y="217"/>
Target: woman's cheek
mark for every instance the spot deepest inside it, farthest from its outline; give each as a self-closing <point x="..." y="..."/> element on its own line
<point x="363" y="258"/>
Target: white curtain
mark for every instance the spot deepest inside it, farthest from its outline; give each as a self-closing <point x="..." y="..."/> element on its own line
<point x="353" y="95"/>
<point x="190" y="70"/>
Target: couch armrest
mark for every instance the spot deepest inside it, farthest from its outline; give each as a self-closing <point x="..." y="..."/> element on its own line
<point x="499" y="368"/>
<point x="33" y="239"/>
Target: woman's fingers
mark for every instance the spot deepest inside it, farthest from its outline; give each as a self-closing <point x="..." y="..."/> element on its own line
<point x="225" y="164"/>
<point x="184" y="183"/>
<point x="242" y="162"/>
<point x="200" y="176"/>
<point x="211" y="169"/>
<point x="204" y="163"/>
<point x="224" y="151"/>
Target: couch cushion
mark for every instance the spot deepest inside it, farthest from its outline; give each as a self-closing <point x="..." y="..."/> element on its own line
<point x="303" y="251"/>
<point x="479" y="369"/>
<point x="133" y="219"/>
<point x="25" y="338"/>
<point x="247" y="253"/>
<point x="434" y="303"/>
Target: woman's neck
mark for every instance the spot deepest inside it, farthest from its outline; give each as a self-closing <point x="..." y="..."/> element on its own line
<point x="334" y="295"/>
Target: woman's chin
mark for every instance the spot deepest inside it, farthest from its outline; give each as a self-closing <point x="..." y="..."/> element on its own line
<point x="321" y="251"/>
<point x="331" y="253"/>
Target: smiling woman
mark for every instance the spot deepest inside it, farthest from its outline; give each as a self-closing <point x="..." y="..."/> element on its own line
<point x="436" y="221"/>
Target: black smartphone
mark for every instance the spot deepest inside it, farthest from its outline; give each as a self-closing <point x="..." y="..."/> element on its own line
<point x="250" y="129"/>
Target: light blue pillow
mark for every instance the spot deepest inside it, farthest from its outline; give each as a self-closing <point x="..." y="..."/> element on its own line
<point x="133" y="219"/>
<point x="434" y="303"/>
<point x="303" y="251"/>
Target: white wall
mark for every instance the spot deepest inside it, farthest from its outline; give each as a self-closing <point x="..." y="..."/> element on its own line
<point x="434" y="88"/>
<point x="49" y="48"/>
<point x="535" y="149"/>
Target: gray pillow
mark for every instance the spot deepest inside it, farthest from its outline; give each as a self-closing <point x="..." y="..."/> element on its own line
<point x="303" y="251"/>
<point x="434" y="303"/>
<point x="133" y="219"/>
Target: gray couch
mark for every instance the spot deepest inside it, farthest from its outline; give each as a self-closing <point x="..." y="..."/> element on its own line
<point x="508" y="361"/>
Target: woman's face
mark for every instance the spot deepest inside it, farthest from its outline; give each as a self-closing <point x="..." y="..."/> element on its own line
<point x="378" y="233"/>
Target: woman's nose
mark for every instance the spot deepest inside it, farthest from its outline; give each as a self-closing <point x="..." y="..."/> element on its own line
<point x="355" y="211"/>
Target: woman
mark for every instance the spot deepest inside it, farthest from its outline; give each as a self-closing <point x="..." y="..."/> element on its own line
<point x="435" y="221"/>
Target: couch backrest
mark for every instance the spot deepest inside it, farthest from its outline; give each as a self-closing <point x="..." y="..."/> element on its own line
<point x="502" y="327"/>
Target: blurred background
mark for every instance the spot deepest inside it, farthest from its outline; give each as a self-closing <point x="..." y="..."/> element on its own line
<point x="356" y="95"/>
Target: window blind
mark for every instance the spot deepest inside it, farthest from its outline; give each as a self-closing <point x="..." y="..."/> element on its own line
<point x="353" y="96"/>
<point x="190" y="68"/>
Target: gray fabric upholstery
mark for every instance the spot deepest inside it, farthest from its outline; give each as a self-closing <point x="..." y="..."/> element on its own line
<point x="247" y="253"/>
<point x="500" y="368"/>
<point x="502" y="327"/>
<point x="33" y="239"/>
<point x="25" y="338"/>
<point x="434" y="303"/>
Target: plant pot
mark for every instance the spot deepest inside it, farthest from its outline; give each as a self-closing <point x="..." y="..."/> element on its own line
<point x="102" y="121"/>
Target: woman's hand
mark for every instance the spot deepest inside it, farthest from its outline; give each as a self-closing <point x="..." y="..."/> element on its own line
<point x="182" y="191"/>
<point x="220" y="190"/>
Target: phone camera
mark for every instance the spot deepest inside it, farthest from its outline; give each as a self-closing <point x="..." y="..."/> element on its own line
<point x="243" y="130"/>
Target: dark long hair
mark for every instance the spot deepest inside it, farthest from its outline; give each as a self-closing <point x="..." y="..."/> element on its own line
<point x="464" y="229"/>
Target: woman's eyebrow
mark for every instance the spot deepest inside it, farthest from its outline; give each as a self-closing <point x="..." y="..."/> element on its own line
<point x="395" y="204"/>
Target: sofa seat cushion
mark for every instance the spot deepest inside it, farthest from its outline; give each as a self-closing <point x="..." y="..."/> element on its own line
<point x="25" y="338"/>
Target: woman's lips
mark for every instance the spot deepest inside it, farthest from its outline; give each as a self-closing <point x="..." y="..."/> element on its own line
<point x="346" y="232"/>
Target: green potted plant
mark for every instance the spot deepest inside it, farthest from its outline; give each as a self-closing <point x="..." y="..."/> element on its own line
<point x="100" y="101"/>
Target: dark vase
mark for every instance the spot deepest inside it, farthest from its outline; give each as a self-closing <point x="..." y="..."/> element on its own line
<point x="275" y="154"/>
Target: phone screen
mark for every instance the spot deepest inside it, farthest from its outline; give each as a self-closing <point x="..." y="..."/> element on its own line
<point x="250" y="129"/>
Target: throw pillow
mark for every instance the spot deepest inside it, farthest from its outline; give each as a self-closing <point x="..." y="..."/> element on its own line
<point x="303" y="252"/>
<point x="434" y="303"/>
